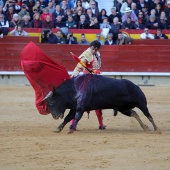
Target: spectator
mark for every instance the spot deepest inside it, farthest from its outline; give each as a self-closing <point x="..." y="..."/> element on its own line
<point x="128" y="24"/>
<point x="102" y="15"/>
<point x="71" y="39"/>
<point x="129" y="13"/>
<point x="141" y="4"/>
<point x="70" y="23"/>
<point x="23" y="12"/>
<point x="141" y="19"/>
<point x="118" y="5"/>
<point x="49" y="37"/>
<point x="78" y="6"/>
<point x="154" y="3"/>
<point x="38" y="6"/>
<point x="30" y="5"/>
<point x="59" y="39"/>
<point x="69" y="4"/>
<point x="115" y="26"/>
<point x="163" y="24"/>
<point x="77" y="15"/>
<point x="19" y="3"/>
<point x="158" y="10"/>
<point x="59" y="23"/>
<point x="15" y="21"/>
<point x="152" y="23"/>
<point x="98" y="36"/>
<point x="12" y="3"/>
<point x="36" y="23"/>
<point x="64" y="6"/>
<point x="25" y="22"/>
<point x="105" y="24"/>
<point x="85" y="4"/>
<point x="83" y="40"/>
<point x="4" y="25"/>
<point x="18" y="31"/>
<point x="137" y="25"/>
<point x="126" y="5"/>
<point x="94" y="23"/>
<point x="91" y="1"/>
<point x="34" y="11"/>
<point x="146" y="34"/>
<point x="68" y="12"/>
<point x="167" y="9"/>
<point x="51" y="7"/>
<point x="123" y="40"/>
<point x="153" y="13"/>
<point x="113" y="15"/>
<point x="134" y="9"/>
<point x="82" y="23"/>
<point x="145" y="11"/>
<point x="48" y="23"/>
<point x="163" y="14"/>
<point x="57" y="12"/>
<point x="89" y="15"/>
<point x="43" y="4"/>
<point x="109" y="40"/>
<point x="95" y="9"/>
<point x="45" y="14"/>
<point x="159" y="35"/>
<point x="9" y="13"/>
<point x="54" y="2"/>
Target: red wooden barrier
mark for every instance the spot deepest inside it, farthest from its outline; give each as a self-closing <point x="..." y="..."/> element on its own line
<point x="151" y="42"/>
<point x="18" y="39"/>
<point x="129" y="58"/>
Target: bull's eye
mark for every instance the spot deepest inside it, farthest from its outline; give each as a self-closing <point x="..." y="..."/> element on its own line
<point x="50" y="103"/>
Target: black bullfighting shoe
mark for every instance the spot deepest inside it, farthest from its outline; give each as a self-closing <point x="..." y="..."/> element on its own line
<point x="71" y="127"/>
<point x="102" y="127"/>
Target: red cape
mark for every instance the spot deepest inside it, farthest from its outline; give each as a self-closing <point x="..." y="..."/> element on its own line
<point x="42" y="72"/>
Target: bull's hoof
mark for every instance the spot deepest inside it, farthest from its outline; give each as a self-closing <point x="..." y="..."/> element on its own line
<point x="102" y="127"/>
<point x="58" y="130"/>
<point x="145" y="128"/>
<point x="158" y="131"/>
<point x="71" y="131"/>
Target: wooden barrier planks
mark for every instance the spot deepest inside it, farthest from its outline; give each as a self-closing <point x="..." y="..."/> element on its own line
<point x="129" y="58"/>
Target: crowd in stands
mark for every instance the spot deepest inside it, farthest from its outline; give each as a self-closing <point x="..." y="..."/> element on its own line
<point x="84" y="14"/>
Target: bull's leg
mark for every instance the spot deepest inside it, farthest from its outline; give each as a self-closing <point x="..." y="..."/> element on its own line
<point x="67" y="119"/>
<point x="78" y="116"/>
<point x="132" y="113"/>
<point x="136" y="116"/>
<point x="144" y="109"/>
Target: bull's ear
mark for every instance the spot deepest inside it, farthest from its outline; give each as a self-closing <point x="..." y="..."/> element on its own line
<point x="50" y="94"/>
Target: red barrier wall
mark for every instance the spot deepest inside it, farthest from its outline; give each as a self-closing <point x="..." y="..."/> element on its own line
<point x="129" y="58"/>
<point x="18" y="39"/>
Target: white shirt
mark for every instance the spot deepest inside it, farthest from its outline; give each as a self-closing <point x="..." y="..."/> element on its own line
<point x="146" y="36"/>
<point x="3" y="24"/>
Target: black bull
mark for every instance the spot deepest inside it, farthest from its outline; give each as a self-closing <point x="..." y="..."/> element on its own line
<point x="91" y="92"/>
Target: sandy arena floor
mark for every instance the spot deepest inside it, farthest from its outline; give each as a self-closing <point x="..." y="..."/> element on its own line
<point x="27" y="140"/>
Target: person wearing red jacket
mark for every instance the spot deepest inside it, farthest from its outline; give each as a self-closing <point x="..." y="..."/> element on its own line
<point x="45" y="14"/>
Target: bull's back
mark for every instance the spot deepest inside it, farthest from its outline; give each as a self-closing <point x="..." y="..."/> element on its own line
<point x="108" y="92"/>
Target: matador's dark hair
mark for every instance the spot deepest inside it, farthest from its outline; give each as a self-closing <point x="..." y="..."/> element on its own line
<point x="95" y="44"/>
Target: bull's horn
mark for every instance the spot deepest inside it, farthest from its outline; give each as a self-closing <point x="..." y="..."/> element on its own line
<point x="48" y="95"/>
